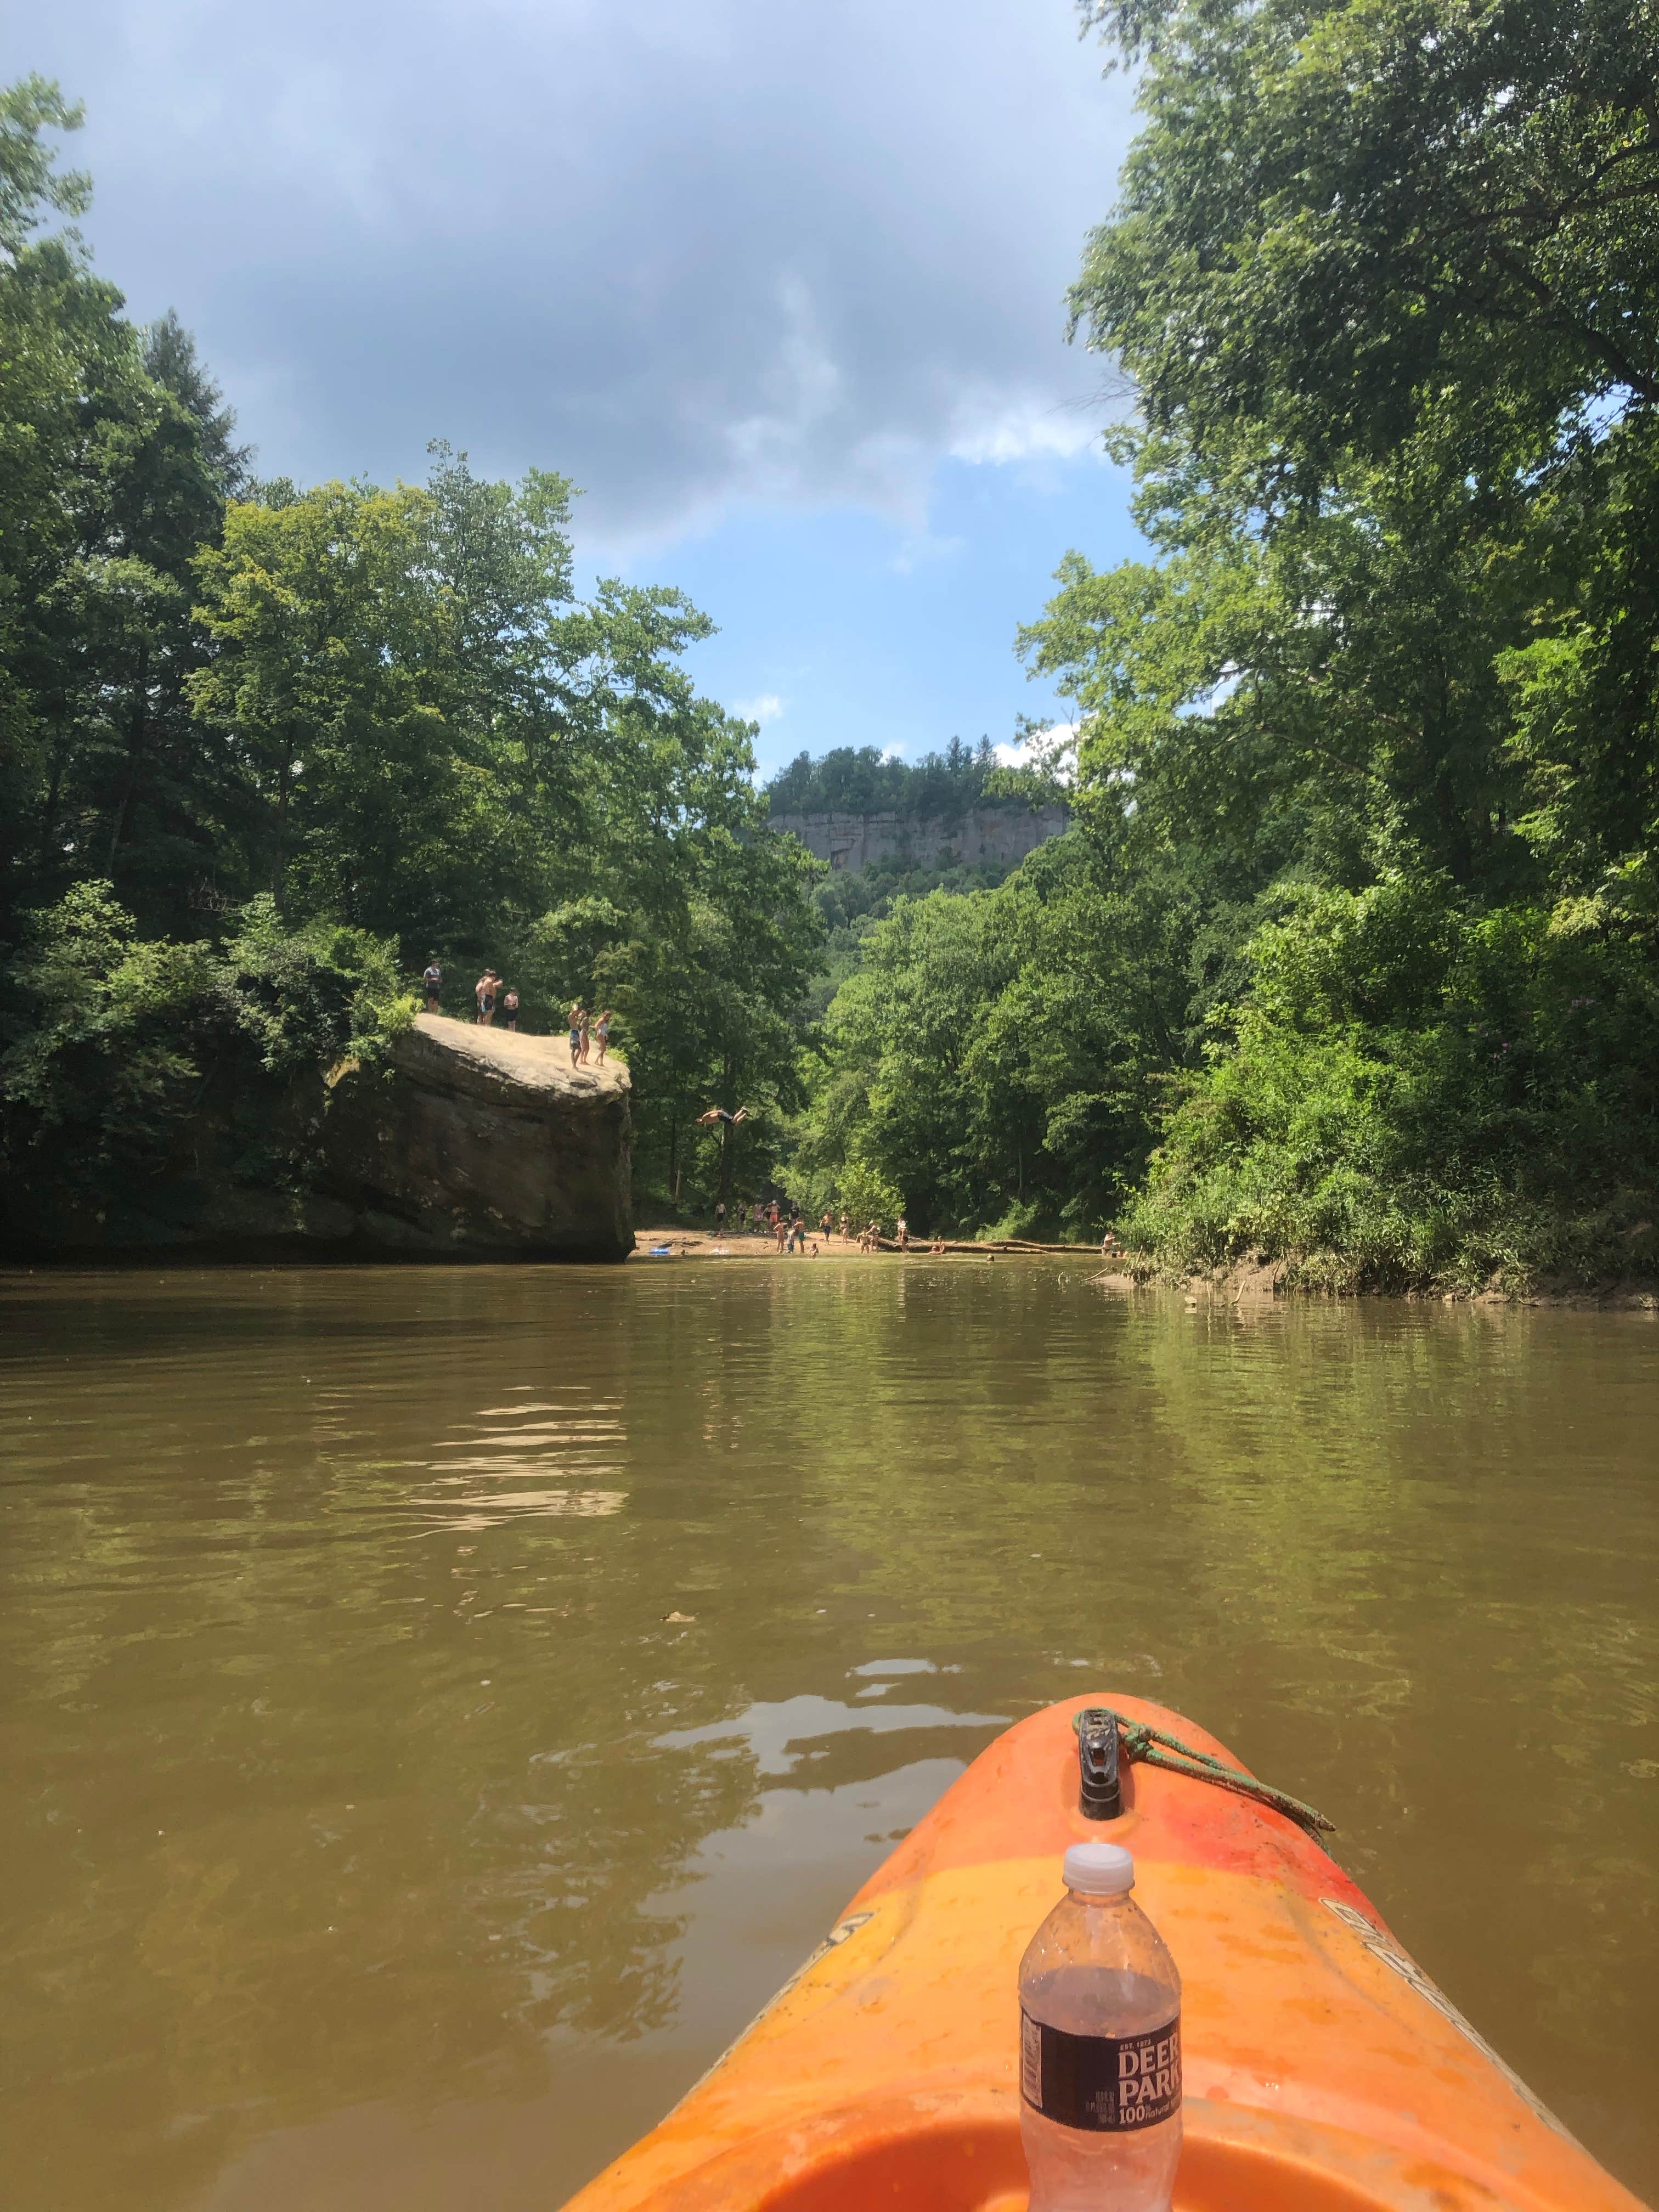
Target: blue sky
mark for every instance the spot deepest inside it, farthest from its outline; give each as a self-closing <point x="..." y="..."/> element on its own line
<point x="781" y="287"/>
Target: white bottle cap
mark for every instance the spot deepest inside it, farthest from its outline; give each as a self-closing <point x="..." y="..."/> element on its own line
<point x="1099" y="1869"/>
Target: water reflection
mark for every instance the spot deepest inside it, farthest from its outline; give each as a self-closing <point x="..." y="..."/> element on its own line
<point x="781" y="1737"/>
<point x="443" y="1706"/>
<point x="587" y="1437"/>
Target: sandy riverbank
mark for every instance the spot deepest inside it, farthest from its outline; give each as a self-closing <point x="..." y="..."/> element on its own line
<point x="682" y="1243"/>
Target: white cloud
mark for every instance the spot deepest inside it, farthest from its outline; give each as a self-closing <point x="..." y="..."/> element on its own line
<point x="995" y="430"/>
<point x="1054" y="749"/>
<point x="696" y="258"/>
<point x="892" y="752"/>
<point x="768" y="707"/>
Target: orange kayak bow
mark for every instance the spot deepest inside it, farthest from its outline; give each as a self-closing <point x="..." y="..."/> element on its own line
<point x="1324" y="2071"/>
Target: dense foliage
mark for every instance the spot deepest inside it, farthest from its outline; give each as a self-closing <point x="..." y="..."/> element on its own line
<point x="369" y="725"/>
<point x="1350" y="959"/>
<point x="1376" y="718"/>
<point x="119" y="1039"/>
<point x="862" y="779"/>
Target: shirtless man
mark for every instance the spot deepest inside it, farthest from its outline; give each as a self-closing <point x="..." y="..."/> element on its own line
<point x="510" y="1010"/>
<point x="578" y="1021"/>
<point x="484" y="992"/>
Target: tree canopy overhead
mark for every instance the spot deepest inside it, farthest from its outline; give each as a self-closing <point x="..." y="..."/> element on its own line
<point x="1376" y="718"/>
<point x="379" y="719"/>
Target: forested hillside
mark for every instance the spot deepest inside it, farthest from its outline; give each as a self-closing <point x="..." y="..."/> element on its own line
<point x="863" y="780"/>
<point x="1352" y="959"/>
<point x="264" y="750"/>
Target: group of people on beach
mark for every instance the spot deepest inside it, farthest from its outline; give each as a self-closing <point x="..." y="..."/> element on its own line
<point x="785" y="1223"/>
<point x="778" y="1219"/>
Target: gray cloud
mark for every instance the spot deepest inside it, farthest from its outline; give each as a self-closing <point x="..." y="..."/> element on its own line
<point x="694" y="255"/>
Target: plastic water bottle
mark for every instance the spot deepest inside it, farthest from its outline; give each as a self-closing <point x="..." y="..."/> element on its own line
<point x="1100" y="2047"/>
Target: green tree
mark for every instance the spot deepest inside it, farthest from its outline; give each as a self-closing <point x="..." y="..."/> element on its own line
<point x="115" y="459"/>
<point x="238" y="719"/>
<point x="993" y="1061"/>
<point x="1384" y="281"/>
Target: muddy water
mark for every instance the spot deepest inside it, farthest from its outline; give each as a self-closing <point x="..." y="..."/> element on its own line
<point x="375" y="1835"/>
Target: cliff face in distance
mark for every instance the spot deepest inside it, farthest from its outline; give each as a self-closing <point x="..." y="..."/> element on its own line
<point x="474" y="1143"/>
<point x="984" y="833"/>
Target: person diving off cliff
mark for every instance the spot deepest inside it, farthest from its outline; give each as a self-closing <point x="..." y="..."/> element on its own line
<point x="720" y="1113"/>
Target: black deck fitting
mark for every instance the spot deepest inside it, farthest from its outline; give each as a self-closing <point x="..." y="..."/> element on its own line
<point x="1100" y="1795"/>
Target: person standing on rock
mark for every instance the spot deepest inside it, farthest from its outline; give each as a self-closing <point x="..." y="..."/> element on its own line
<point x="510" y="1010"/>
<point x="433" y="981"/>
<point x="578" y="1021"/>
<point x="602" y="1034"/>
<point x="584" y="1025"/>
<point x="484" y="992"/>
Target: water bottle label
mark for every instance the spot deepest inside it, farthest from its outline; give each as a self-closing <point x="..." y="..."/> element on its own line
<point x="1106" y="2084"/>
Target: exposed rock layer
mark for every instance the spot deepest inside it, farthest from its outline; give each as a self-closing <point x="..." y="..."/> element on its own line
<point x="474" y="1143"/>
<point x="987" y="833"/>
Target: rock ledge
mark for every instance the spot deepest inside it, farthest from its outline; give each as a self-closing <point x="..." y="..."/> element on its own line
<point x="480" y="1142"/>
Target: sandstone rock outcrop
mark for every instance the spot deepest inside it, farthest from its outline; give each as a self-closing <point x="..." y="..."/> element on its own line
<point x="482" y="1141"/>
<point x="472" y="1143"/>
<point x="1001" y="836"/>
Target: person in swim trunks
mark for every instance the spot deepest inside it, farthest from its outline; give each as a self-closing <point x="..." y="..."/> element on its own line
<point x="510" y="1010"/>
<point x="578" y="1022"/>
<point x="433" y="981"/>
<point x="484" y="990"/>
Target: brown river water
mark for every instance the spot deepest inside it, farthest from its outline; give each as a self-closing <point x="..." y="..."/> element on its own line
<point x="372" y="1842"/>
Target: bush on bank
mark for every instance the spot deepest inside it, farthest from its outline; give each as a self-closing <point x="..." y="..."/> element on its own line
<point x="1417" y="1096"/>
<point x="109" y="1042"/>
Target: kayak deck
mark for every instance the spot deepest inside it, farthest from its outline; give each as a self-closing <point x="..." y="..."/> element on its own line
<point x="1324" y="2071"/>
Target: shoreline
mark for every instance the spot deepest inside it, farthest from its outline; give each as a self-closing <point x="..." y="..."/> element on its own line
<point x="682" y="1243"/>
<point x="1256" y="1283"/>
<point x="1249" y="1284"/>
